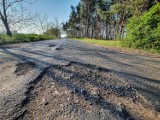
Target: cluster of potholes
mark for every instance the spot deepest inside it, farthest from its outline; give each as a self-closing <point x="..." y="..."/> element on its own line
<point x="68" y="91"/>
<point x="76" y="76"/>
<point x="77" y="84"/>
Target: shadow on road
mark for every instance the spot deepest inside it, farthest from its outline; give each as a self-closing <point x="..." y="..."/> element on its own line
<point x="143" y="85"/>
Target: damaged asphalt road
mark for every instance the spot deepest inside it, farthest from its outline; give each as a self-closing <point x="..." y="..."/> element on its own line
<point x="70" y="80"/>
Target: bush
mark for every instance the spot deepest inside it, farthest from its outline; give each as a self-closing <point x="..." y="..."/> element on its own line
<point x="23" y="38"/>
<point x="143" y="32"/>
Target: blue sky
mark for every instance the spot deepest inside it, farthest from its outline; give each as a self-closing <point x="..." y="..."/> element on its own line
<point x="54" y="8"/>
<point x="59" y="9"/>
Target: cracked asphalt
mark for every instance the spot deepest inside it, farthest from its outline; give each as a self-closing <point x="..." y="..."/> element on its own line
<point x="67" y="80"/>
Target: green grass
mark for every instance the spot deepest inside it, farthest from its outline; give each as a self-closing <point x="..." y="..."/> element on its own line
<point x="17" y="38"/>
<point x="109" y="43"/>
<point x="114" y="44"/>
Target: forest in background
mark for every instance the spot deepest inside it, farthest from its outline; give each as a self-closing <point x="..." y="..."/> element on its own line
<point x="135" y="22"/>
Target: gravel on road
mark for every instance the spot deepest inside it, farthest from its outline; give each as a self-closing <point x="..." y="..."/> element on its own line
<point x="71" y="80"/>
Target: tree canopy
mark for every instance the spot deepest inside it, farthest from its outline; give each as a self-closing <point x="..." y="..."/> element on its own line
<point x="104" y="19"/>
<point x="144" y="31"/>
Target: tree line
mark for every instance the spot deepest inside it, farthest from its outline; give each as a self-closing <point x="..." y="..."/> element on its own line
<point x="104" y="19"/>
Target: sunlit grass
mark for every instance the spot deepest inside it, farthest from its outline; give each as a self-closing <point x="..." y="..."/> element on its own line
<point x="114" y="44"/>
<point x="110" y="43"/>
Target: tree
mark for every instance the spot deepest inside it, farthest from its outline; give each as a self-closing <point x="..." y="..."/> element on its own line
<point x="55" y="32"/>
<point x="41" y="23"/>
<point x="72" y="26"/>
<point x="53" y="29"/>
<point x="145" y="33"/>
<point x="12" y="13"/>
<point x="104" y="19"/>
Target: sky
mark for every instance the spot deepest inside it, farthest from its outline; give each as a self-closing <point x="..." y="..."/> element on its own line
<point x="54" y="8"/>
<point x="59" y="9"/>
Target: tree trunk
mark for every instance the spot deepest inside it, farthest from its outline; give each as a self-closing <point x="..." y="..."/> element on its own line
<point x="6" y="25"/>
<point x="4" y="18"/>
<point x="87" y="21"/>
<point x="7" y="29"/>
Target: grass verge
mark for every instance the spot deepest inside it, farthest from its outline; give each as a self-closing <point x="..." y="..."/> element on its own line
<point x="115" y="44"/>
<point x="109" y="43"/>
<point x="18" y="38"/>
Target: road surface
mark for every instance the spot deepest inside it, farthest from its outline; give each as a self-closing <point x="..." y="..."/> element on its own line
<point x="71" y="80"/>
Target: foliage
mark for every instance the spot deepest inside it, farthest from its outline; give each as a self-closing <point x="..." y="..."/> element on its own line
<point x="53" y="31"/>
<point x="14" y="16"/>
<point x="103" y="19"/>
<point x="143" y="32"/>
<point x="23" y="38"/>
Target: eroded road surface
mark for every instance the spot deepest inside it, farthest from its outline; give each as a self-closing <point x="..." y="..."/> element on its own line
<point x="70" y="80"/>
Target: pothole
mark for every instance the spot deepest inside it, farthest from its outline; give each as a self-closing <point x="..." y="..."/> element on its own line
<point x="92" y="77"/>
<point x="59" y="48"/>
<point x="24" y="68"/>
<point x="88" y="89"/>
<point x="51" y="45"/>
